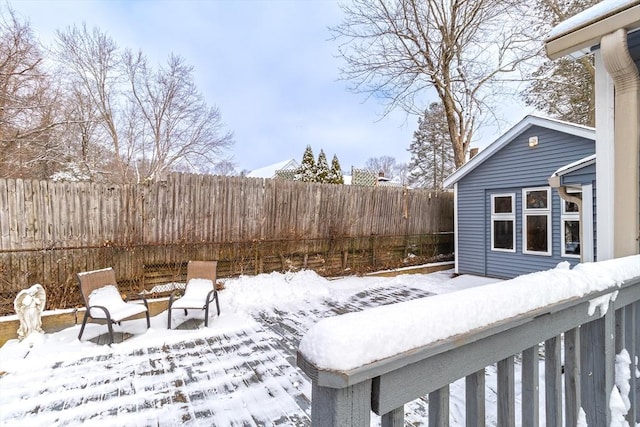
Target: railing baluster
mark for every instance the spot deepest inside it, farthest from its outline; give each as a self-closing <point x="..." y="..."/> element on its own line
<point x="553" y="382"/>
<point x="394" y="418"/>
<point x="439" y="407"/>
<point x="572" y="376"/>
<point x="506" y="393"/>
<point x="475" y="397"/>
<point x="632" y="344"/>
<point x="591" y="343"/>
<point x="530" y="388"/>
<point x="597" y="360"/>
<point x="620" y="330"/>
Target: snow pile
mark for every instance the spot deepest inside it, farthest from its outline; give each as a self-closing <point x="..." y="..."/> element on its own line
<point x="619" y="402"/>
<point x="341" y="343"/>
<point x="265" y="291"/>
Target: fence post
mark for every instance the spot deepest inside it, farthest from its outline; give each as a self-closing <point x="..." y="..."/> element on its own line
<point x="338" y="407"/>
<point x="394" y="418"/>
<point x="597" y="360"/>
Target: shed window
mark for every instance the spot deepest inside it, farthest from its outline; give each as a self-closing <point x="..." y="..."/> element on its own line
<point x="536" y="218"/>
<point x="503" y="218"/>
<point x="570" y="231"/>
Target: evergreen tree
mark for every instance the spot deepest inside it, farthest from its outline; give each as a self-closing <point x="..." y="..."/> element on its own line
<point x="307" y="170"/>
<point x="432" y="158"/>
<point x="335" y="177"/>
<point x="563" y="88"/>
<point x="322" y="168"/>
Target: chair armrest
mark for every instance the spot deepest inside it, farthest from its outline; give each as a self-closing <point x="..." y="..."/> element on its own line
<point x="174" y="296"/>
<point x="212" y="295"/>
<point x="137" y="297"/>
<point x="104" y="309"/>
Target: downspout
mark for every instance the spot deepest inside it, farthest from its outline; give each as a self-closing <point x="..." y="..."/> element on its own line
<point x="626" y="180"/>
<point x="554" y="182"/>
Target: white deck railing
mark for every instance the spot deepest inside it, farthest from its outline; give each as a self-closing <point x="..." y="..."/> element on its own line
<point x="584" y="365"/>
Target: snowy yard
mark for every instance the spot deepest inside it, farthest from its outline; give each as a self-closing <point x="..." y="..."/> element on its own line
<point x="239" y="371"/>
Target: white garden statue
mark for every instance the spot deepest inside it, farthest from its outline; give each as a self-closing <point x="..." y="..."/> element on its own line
<point x="29" y="305"/>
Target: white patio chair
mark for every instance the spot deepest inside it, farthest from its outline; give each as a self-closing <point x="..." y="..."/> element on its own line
<point x="103" y="301"/>
<point x="200" y="290"/>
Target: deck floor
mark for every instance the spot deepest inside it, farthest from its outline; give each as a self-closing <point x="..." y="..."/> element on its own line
<point x="243" y="378"/>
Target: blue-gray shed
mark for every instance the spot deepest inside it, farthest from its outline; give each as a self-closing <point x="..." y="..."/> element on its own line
<point x="509" y="220"/>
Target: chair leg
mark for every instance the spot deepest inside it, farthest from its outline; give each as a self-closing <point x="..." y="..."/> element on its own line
<point x="148" y="320"/>
<point x="169" y="318"/>
<point x="206" y="314"/>
<point x="110" y="332"/>
<point x="217" y="303"/>
<point x="84" y="323"/>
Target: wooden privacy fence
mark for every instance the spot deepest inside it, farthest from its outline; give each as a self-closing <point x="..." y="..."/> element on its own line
<point x="51" y="230"/>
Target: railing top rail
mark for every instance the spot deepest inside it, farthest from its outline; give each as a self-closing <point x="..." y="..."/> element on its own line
<point x="563" y="313"/>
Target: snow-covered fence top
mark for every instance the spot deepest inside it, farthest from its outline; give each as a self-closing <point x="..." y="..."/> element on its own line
<point x="406" y="350"/>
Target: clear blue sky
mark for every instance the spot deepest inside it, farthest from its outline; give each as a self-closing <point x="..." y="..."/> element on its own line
<point x="269" y="65"/>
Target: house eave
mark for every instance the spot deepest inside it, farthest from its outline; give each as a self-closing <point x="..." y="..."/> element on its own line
<point x="583" y="36"/>
<point x="572" y="167"/>
<point x="524" y="124"/>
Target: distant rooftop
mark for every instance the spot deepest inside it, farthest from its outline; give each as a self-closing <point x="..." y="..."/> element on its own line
<point x="270" y="171"/>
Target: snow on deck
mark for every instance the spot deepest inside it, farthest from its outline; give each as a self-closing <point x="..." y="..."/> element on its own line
<point x="239" y="371"/>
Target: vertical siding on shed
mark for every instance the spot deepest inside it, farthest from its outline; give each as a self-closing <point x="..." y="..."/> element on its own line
<point x="512" y="168"/>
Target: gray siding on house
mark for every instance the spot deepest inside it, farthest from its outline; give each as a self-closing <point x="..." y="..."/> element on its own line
<point x="509" y="170"/>
<point x="585" y="175"/>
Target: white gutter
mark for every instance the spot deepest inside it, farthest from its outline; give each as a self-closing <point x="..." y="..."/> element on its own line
<point x="626" y="174"/>
<point x="577" y="35"/>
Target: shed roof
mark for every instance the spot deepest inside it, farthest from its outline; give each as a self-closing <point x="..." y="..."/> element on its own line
<point x="521" y="126"/>
<point x="577" y="165"/>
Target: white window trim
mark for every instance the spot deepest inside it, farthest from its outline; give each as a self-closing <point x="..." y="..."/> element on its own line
<point x="455" y="228"/>
<point x="568" y="216"/>
<point x="537" y="212"/>
<point x="504" y="217"/>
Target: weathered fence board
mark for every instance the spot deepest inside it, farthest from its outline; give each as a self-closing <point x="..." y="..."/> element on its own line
<point x="51" y="230"/>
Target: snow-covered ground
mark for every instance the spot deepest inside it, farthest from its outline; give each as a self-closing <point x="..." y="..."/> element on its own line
<point x="239" y="371"/>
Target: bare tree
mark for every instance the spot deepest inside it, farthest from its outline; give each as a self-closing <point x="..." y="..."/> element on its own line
<point x="176" y="129"/>
<point x="400" y="51"/>
<point x="95" y="71"/>
<point x="384" y="165"/>
<point x="149" y="120"/>
<point x="225" y="167"/>
<point x="28" y="104"/>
